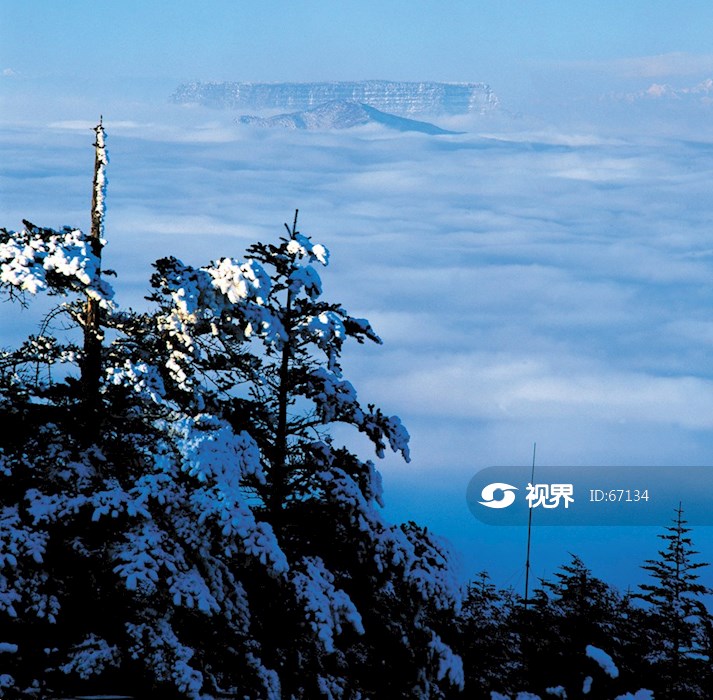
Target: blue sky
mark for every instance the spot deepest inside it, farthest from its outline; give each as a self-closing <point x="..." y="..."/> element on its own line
<point x="458" y="40"/>
<point x="533" y="280"/>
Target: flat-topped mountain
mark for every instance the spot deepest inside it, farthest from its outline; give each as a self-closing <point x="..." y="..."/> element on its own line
<point x="400" y="98"/>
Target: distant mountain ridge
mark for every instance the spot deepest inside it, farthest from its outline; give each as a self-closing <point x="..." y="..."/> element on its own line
<point x="400" y="98"/>
<point x="342" y="114"/>
<point x="701" y="93"/>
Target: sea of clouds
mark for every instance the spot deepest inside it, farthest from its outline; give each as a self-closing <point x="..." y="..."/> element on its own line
<point x="531" y="283"/>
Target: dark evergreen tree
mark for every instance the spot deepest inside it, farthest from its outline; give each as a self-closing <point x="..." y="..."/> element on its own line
<point x="678" y="645"/>
<point x="574" y="632"/>
<point x="630" y="641"/>
<point x="489" y="643"/>
<point x="706" y="635"/>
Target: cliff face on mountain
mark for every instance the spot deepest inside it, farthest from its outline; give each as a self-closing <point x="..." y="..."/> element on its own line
<point x="400" y="98"/>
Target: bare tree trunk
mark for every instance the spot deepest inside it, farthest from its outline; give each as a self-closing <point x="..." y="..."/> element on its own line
<point x="280" y="467"/>
<point x="93" y="334"/>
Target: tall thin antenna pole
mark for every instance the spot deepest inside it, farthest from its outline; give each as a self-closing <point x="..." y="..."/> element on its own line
<point x="529" y="533"/>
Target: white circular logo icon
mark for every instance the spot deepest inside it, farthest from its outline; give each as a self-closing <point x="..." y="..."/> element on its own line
<point x="488" y="495"/>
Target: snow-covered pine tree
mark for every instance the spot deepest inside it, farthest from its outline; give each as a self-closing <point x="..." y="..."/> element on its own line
<point x="678" y="651"/>
<point x="323" y="497"/>
<point x="210" y="540"/>
<point x="362" y="595"/>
